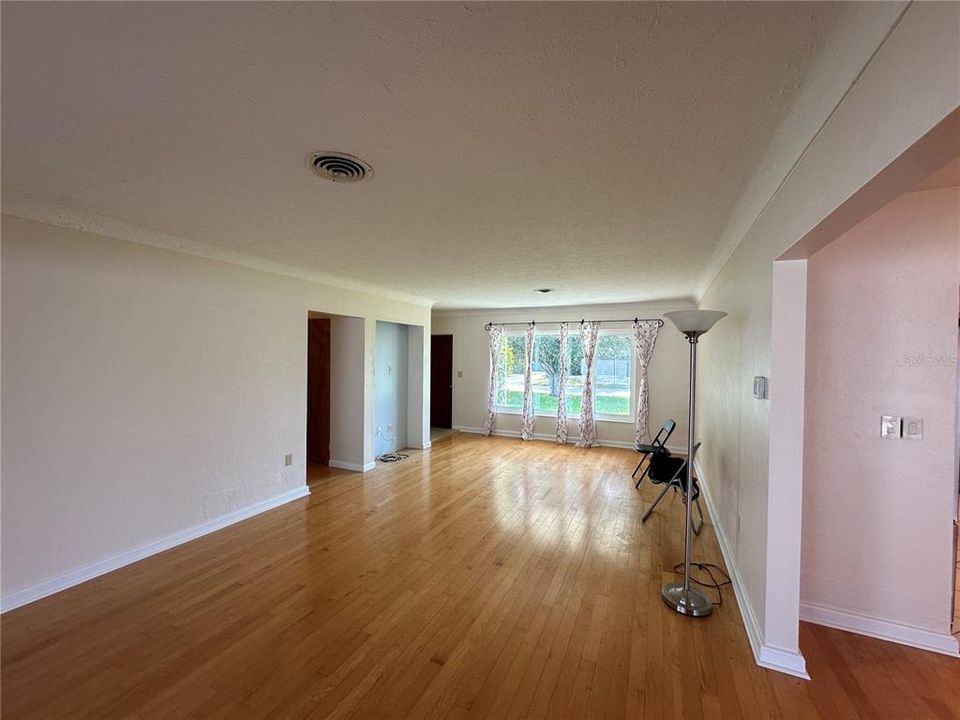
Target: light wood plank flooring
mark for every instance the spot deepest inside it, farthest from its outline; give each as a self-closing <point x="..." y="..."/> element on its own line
<point x="485" y="578"/>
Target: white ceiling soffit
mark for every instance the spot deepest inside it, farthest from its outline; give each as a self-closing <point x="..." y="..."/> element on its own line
<point x="594" y="148"/>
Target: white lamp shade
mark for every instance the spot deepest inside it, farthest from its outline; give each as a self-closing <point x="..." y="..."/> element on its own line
<point x="694" y="322"/>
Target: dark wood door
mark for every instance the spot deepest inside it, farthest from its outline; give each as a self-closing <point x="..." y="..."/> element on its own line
<point x="318" y="391"/>
<point x="441" y="381"/>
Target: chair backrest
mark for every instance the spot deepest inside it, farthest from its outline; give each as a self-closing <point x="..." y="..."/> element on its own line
<point x="665" y="467"/>
<point x="666" y="430"/>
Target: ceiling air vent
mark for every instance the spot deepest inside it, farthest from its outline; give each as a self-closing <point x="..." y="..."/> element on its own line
<point x="339" y="167"/>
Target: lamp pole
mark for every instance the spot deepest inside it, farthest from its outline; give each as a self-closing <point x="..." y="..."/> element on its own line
<point x="691" y="434"/>
<point x="679" y="595"/>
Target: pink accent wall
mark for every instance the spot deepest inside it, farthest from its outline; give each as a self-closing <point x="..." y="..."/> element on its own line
<point x="882" y="307"/>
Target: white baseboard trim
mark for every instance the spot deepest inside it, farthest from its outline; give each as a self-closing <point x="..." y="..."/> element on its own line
<point x="355" y="467"/>
<point x="571" y="440"/>
<point x="789" y="662"/>
<point x="68" y="579"/>
<point x="782" y="660"/>
<point x="427" y="445"/>
<point x="943" y="643"/>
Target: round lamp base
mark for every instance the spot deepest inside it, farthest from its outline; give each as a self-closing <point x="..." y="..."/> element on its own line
<point x="686" y="602"/>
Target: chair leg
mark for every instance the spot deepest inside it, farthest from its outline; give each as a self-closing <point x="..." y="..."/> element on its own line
<point x="638" y="467"/>
<point x="642" y="476"/>
<point x="649" y="511"/>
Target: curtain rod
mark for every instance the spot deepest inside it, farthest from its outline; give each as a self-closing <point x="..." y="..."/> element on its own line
<point x="658" y="321"/>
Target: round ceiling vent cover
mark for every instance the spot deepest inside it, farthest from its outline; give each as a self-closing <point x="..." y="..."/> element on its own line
<point x="339" y="167"/>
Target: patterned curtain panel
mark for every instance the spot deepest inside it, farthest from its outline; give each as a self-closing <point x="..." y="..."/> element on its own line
<point x="528" y="417"/>
<point x="561" y="388"/>
<point x="644" y="338"/>
<point x="588" y="426"/>
<point x="496" y="340"/>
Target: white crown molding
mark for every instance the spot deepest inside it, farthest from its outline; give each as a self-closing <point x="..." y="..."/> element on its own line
<point x="782" y="660"/>
<point x="942" y="643"/>
<point x="650" y="307"/>
<point x="60" y="582"/>
<point x="22" y="206"/>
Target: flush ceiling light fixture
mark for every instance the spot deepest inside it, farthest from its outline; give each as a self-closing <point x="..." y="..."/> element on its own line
<point x="339" y="167"/>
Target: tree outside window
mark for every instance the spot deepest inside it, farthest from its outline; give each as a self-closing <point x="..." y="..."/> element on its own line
<point x="612" y="369"/>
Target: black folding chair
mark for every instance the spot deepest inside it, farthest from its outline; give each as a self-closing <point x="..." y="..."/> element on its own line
<point x="671" y="472"/>
<point x="657" y="445"/>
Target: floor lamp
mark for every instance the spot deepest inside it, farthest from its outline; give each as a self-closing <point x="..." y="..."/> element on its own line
<point x="679" y="595"/>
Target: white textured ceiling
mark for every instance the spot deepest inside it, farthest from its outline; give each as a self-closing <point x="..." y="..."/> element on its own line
<point x="593" y="148"/>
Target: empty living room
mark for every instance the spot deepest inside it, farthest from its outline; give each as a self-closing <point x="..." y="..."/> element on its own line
<point x="432" y="360"/>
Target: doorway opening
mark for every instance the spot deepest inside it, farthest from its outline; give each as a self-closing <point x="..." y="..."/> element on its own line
<point x="335" y="381"/>
<point x="879" y="446"/>
<point x="441" y="385"/>
<point x="391" y="388"/>
<point x="399" y="412"/>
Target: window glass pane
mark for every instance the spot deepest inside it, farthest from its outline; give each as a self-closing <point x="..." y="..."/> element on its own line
<point x="510" y="373"/>
<point x="546" y="372"/>
<point x="612" y="375"/>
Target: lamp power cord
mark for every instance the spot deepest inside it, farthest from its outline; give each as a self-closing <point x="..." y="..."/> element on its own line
<point x="711" y="581"/>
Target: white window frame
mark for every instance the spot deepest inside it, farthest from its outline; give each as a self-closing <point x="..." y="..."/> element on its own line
<point x="632" y="413"/>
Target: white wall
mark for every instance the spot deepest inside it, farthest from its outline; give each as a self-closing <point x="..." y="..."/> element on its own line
<point x="668" y="368"/>
<point x="882" y="339"/>
<point x="390" y="388"/>
<point x="909" y="85"/>
<point x="346" y="387"/>
<point x="418" y="388"/>
<point x="147" y="392"/>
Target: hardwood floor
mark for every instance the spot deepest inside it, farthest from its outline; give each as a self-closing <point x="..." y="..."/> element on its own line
<point x="485" y="578"/>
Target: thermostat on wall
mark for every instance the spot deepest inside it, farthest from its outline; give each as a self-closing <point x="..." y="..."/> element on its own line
<point x="760" y="387"/>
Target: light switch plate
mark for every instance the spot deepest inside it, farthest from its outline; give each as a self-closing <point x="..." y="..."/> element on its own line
<point x="913" y="428"/>
<point x="890" y="426"/>
<point x="459" y="373"/>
